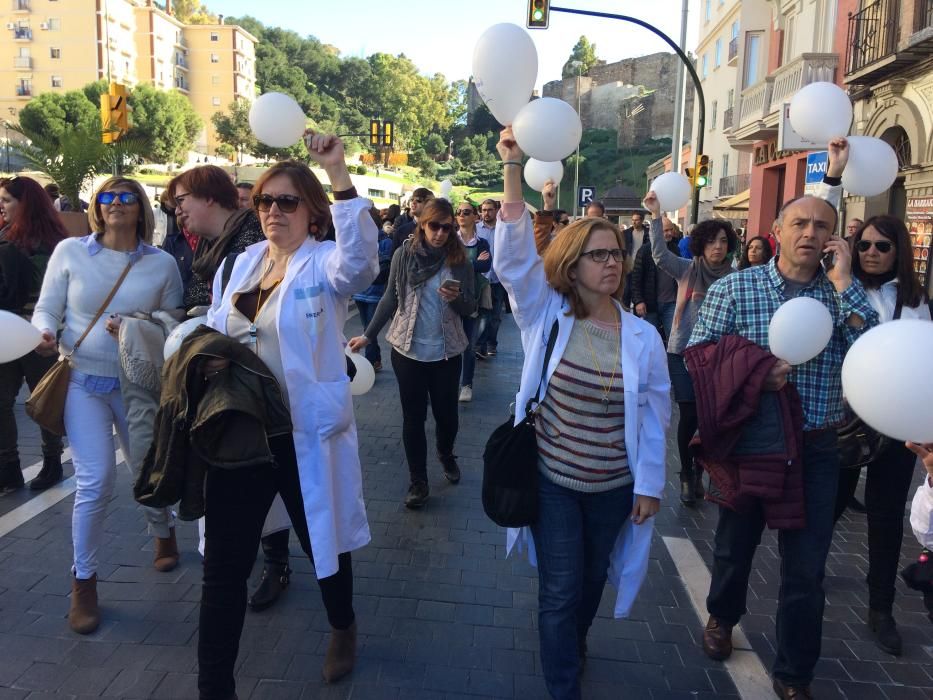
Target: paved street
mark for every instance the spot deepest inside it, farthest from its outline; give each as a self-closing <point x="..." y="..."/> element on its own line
<point x="442" y="613"/>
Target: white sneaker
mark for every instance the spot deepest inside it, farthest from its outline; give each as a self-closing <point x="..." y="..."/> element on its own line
<point x="466" y="393"/>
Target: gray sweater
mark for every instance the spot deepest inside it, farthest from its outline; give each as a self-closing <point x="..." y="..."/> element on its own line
<point x="678" y="268"/>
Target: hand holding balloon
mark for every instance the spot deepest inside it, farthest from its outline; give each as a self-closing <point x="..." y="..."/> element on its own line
<point x="838" y="156"/>
<point x="652" y="204"/>
<point x="925" y="453"/>
<point x="508" y="147"/>
<point x="777" y="377"/>
<point x="327" y="151"/>
<point x="358" y="343"/>
<point x="549" y="194"/>
<point x="49" y="345"/>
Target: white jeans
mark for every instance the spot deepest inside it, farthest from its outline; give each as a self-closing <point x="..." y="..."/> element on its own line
<point x="89" y="421"/>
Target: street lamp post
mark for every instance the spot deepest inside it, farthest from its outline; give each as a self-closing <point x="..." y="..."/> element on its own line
<point x="576" y="160"/>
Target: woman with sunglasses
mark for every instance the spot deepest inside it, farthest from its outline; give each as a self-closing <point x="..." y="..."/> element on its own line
<point x="29" y="231"/>
<point x="480" y="258"/>
<point x="429" y="292"/>
<point x="80" y="275"/>
<point x="287" y="299"/>
<point x="883" y="263"/>
<point x="711" y="242"/>
<point x="600" y="424"/>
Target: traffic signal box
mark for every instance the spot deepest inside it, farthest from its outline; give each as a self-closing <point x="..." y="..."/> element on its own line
<point x="114" y="113"/>
<point x="538" y="11"/>
<point x="374" y="135"/>
<point x="702" y="172"/>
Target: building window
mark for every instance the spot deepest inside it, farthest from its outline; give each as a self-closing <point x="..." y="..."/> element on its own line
<point x="714" y="108"/>
<point x="55" y="24"/>
<point x="718" y="59"/>
<point x="725" y="165"/>
<point x="731" y="99"/>
<point x="735" y="29"/>
<point x="215" y="36"/>
<point x="705" y="66"/>
<point x="708" y="12"/>
<point x="216" y="101"/>
<point x="379" y="194"/>
<point x="215" y="58"/>
<point x="752" y="59"/>
<point x="790" y="26"/>
<point x="215" y="80"/>
<point x="56" y="81"/>
<point x="55" y="53"/>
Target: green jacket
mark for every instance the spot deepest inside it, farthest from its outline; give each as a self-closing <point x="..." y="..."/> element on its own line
<point x="222" y="422"/>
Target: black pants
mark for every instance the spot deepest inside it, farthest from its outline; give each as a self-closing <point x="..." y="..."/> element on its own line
<point x="886" y="488"/>
<point x="275" y="548"/>
<point x="686" y="428"/>
<point x="30" y="367"/>
<point x="416" y="381"/>
<point x="237" y="503"/>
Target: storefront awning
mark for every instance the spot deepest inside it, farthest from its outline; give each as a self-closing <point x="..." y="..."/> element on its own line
<point x="733" y="207"/>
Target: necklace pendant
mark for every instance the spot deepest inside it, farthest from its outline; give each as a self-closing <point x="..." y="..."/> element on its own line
<point x="605" y="404"/>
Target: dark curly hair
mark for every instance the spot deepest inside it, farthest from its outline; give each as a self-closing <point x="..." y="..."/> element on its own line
<point x="705" y="232"/>
<point x="744" y="262"/>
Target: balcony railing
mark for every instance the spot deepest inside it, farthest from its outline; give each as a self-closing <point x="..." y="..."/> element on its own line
<point x="181" y="62"/>
<point x="22" y="33"/>
<point x="733" y="49"/>
<point x="807" y="68"/>
<point x="22" y="62"/>
<point x="23" y="90"/>
<point x="873" y="34"/>
<point x="756" y="101"/>
<point x="727" y="118"/>
<point x="21" y="6"/>
<point x="923" y="15"/>
<point x="733" y="184"/>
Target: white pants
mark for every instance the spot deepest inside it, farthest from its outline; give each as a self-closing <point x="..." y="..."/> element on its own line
<point x="89" y="422"/>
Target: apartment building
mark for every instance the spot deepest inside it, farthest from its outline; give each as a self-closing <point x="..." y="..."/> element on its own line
<point x="61" y="45"/>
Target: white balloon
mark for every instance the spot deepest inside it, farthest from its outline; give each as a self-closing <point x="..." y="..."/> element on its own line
<point x="179" y="333"/>
<point x="885" y="385"/>
<point x="505" y="69"/>
<point x="538" y="172"/>
<point x="872" y="166"/>
<point x="19" y="337"/>
<point x="800" y="329"/>
<point x="672" y="190"/>
<point x="277" y="120"/>
<point x="365" y="374"/>
<point x="446" y="187"/>
<point x="547" y="129"/>
<point x="820" y="112"/>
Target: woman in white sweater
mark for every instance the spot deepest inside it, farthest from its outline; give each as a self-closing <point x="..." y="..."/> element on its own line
<point x="79" y="277"/>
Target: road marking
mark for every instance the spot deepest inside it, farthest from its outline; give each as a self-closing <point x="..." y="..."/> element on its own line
<point x="43" y="500"/>
<point x="744" y="667"/>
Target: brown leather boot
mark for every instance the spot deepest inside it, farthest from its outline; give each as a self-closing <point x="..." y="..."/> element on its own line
<point x="717" y="639"/>
<point x="166" y="552"/>
<point x="84" y="615"/>
<point x="341" y="654"/>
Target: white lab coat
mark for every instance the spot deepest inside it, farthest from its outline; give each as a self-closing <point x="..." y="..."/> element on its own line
<point x="921" y="513"/>
<point x="310" y="318"/>
<point x="645" y="378"/>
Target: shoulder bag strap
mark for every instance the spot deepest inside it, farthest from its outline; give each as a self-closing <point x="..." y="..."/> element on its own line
<point x="103" y="307"/>
<point x="551" y="341"/>
<point x="898" y="307"/>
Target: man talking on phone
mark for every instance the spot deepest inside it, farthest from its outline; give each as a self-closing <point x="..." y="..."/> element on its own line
<point x="742" y="304"/>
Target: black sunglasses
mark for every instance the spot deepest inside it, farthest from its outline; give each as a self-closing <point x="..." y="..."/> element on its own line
<point x="601" y="255"/>
<point x="435" y="227"/>
<point x="124" y="197"/>
<point x="287" y="203"/>
<point x="881" y="246"/>
<point x="466" y="212"/>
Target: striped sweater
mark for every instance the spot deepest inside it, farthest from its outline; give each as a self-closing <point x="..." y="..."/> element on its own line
<point x="581" y="439"/>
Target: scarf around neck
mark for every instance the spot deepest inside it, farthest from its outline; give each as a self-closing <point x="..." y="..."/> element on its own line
<point x="694" y="285"/>
<point x="419" y="263"/>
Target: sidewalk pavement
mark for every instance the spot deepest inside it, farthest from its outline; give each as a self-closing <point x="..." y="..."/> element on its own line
<point x="442" y="613"/>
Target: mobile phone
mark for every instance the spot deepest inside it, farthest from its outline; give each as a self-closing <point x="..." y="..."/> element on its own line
<point x="451" y="284"/>
<point x="828" y="261"/>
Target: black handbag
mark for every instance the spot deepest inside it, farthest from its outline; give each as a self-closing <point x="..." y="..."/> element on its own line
<point x="858" y="443"/>
<point x="510" y="462"/>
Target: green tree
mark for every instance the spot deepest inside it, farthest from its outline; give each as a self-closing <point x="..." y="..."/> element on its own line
<point x="233" y="128"/>
<point x="191" y="12"/>
<point x="585" y="53"/>
<point x="51" y="116"/>
<point x="434" y="145"/>
<point x="165" y="122"/>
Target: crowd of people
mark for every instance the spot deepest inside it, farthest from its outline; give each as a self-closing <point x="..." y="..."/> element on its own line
<point x="616" y="326"/>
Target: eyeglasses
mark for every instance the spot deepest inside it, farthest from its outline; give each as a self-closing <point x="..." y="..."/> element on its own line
<point x="881" y="246"/>
<point x="601" y="255"/>
<point x="564" y="222"/>
<point x="466" y="212"/>
<point x="436" y="226"/>
<point x="287" y="203"/>
<point x="124" y="197"/>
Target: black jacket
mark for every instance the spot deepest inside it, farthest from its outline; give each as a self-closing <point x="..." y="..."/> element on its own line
<point x="16" y="278"/>
<point x="222" y="422"/>
<point x="645" y="278"/>
<point x="176" y="245"/>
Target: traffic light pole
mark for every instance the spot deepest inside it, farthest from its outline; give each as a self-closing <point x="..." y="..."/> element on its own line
<point x="688" y="64"/>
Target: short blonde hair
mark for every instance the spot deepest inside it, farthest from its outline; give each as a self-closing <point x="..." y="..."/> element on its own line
<point x="564" y="251"/>
<point x="145" y="224"/>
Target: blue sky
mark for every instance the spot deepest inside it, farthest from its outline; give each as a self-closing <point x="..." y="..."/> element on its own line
<point x="439" y="36"/>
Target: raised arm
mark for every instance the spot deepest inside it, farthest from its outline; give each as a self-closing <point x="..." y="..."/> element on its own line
<point x="672" y="264"/>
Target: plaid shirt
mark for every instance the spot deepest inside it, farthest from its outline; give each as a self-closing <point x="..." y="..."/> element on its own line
<point x="744" y="302"/>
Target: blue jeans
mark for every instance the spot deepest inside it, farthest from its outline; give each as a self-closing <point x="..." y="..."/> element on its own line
<point x="799" y="620"/>
<point x="490" y="319"/>
<point x="573" y="537"/>
<point x="470" y="326"/>
<point x="666" y="312"/>
<point x="367" y="310"/>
